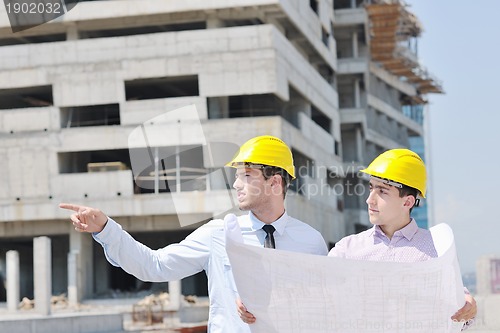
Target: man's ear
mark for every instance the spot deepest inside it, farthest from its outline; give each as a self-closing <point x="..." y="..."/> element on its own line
<point x="410" y="201"/>
<point x="275" y="180"/>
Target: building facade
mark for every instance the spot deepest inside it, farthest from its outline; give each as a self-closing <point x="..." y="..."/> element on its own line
<point x="488" y="293"/>
<point x="76" y="94"/>
<point x="382" y="88"/>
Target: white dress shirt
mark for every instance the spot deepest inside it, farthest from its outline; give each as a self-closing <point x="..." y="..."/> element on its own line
<point x="204" y="249"/>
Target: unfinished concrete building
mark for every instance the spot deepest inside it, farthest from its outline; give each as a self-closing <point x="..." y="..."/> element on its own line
<point x="73" y="90"/>
<point x="382" y="88"/>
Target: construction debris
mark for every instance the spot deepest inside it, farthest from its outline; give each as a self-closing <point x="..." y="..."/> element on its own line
<point x="26" y="304"/>
<point x="160" y="299"/>
<point x="59" y="302"/>
<point x="191" y="299"/>
<point x="151" y="308"/>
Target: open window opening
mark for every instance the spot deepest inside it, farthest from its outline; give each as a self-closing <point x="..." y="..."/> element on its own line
<point x="29" y="97"/>
<point x="92" y="115"/>
<point x="164" y="87"/>
<point x="142" y="30"/>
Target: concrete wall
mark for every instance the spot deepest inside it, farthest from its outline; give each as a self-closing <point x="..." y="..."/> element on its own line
<point x="224" y="65"/>
<point x="83" y="323"/>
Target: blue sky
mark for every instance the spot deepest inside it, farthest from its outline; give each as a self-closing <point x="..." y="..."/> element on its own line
<point x="461" y="46"/>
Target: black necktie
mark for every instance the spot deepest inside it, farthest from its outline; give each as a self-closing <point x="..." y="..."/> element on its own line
<point x="269" y="241"/>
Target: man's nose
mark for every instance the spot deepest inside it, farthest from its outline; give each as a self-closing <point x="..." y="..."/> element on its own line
<point x="370" y="198"/>
<point x="237" y="184"/>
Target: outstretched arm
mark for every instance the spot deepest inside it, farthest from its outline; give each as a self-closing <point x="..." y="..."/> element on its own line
<point x="172" y="262"/>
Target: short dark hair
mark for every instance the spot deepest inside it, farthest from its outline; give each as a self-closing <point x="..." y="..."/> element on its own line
<point x="269" y="171"/>
<point x="407" y="190"/>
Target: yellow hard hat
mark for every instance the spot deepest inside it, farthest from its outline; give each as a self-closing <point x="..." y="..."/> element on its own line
<point x="401" y="166"/>
<point x="265" y="150"/>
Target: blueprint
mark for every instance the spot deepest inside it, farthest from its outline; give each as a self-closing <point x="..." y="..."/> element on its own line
<point x="291" y="292"/>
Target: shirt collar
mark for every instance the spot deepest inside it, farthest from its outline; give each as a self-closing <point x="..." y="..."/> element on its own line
<point x="279" y="224"/>
<point x="407" y="231"/>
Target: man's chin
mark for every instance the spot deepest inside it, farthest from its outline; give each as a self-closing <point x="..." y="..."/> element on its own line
<point x="243" y="207"/>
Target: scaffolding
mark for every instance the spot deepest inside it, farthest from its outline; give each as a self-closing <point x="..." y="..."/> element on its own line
<point x="391" y="25"/>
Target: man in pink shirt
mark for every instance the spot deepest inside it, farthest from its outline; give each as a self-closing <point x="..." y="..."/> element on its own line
<point x="397" y="181"/>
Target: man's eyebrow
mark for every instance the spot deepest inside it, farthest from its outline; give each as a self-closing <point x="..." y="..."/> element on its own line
<point x="382" y="186"/>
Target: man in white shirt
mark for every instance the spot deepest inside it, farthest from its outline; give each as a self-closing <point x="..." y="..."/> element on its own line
<point x="264" y="169"/>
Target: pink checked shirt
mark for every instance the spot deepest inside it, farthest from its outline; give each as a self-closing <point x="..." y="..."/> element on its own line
<point x="408" y="244"/>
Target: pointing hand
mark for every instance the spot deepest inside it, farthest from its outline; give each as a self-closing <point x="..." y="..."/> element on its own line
<point x="86" y="219"/>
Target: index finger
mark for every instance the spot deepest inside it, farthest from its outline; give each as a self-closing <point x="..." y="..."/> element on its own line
<point x="69" y="206"/>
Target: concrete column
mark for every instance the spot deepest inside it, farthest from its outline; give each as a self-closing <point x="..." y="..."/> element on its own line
<point x="359" y="142"/>
<point x="72" y="32"/>
<point x="359" y="145"/>
<point x="357" y="94"/>
<point x="80" y="266"/>
<point x="42" y="262"/>
<point x="175" y="294"/>
<point x="214" y="23"/>
<point x="73" y="281"/>
<point x="355" y="49"/>
<point x="218" y="107"/>
<point x="13" y="280"/>
<point x="295" y="106"/>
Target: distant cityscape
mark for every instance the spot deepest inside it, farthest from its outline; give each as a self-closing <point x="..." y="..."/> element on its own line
<point x="469" y="280"/>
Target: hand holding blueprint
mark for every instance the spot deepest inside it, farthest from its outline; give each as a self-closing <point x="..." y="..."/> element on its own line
<point x="293" y="292"/>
